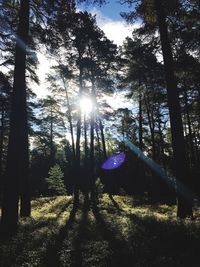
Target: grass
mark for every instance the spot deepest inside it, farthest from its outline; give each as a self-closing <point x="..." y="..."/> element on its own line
<point x="119" y="231"/>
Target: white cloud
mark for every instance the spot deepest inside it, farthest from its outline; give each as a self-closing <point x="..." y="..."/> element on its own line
<point x="116" y="31"/>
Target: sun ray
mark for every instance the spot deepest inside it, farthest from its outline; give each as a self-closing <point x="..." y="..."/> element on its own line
<point x="86" y="105"/>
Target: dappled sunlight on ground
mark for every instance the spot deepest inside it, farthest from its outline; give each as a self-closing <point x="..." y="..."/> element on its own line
<point x="118" y="231"/>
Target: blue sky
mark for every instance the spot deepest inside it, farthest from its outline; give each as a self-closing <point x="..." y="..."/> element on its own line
<point x="115" y="28"/>
<point x="109" y="19"/>
<point x="111" y="10"/>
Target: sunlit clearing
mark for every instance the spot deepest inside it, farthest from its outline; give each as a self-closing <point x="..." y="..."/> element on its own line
<point x="86" y="105"/>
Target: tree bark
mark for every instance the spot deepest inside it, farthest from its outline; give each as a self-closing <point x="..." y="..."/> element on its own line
<point x="151" y="127"/>
<point x="69" y="116"/>
<point x="185" y="201"/>
<point x="140" y="123"/>
<point x="78" y="137"/>
<point x="162" y="151"/>
<point x="85" y="142"/>
<point x="92" y="120"/>
<point x="103" y="139"/>
<point x="16" y="182"/>
<point x="1" y="144"/>
<point x="99" y="145"/>
<point x="191" y="144"/>
<point x="52" y="154"/>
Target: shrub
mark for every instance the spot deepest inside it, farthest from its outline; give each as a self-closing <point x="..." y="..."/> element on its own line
<point x="55" y="181"/>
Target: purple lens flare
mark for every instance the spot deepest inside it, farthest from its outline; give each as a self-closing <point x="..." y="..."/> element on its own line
<point x="114" y="161"/>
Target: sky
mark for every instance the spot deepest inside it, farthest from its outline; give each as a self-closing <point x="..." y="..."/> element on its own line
<point x="111" y="10"/>
<point x="110" y="21"/>
<point x="115" y="28"/>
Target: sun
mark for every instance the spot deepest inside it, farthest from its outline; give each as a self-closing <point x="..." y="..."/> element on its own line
<point x="86" y="105"/>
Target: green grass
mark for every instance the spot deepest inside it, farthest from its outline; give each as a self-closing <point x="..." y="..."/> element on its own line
<point x="120" y="231"/>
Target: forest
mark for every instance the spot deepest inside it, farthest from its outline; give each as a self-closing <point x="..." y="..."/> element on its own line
<point x="103" y="169"/>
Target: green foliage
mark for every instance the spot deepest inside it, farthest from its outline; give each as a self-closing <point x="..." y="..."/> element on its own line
<point x="99" y="186"/>
<point x="55" y="181"/>
<point x="122" y="230"/>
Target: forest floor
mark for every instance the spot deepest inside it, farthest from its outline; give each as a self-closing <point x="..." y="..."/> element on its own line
<point x="119" y="231"/>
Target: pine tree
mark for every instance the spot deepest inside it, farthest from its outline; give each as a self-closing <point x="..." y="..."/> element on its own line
<point x="55" y="181"/>
<point x="16" y="182"/>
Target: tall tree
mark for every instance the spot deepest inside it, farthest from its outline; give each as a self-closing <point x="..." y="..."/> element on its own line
<point x="51" y="124"/>
<point x="153" y="14"/>
<point x="180" y="160"/>
<point x="5" y="91"/>
<point x="16" y="182"/>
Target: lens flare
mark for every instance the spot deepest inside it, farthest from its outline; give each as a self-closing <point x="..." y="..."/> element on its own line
<point x="180" y="188"/>
<point x="114" y="161"/>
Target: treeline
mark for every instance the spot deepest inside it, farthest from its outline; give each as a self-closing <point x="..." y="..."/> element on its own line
<point x="37" y="134"/>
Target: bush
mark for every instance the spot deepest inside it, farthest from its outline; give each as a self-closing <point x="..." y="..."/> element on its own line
<point x="99" y="186"/>
<point x="55" y="181"/>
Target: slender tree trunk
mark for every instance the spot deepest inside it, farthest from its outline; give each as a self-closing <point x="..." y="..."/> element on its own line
<point x="92" y="120"/>
<point x="86" y="142"/>
<point x="196" y="145"/>
<point x="103" y="139"/>
<point x="77" y="163"/>
<point x="101" y="128"/>
<point x="52" y="152"/>
<point x="99" y="145"/>
<point x="151" y="127"/>
<point x="69" y="116"/>
<point x="78" y="137"/>
<point x="184" y="125"/>
<point x="92" y="156"/>
<point x="16" y="182"/>
<point x="140" y="123"/>
<point x="161" y="143"/>
<point x="185" y="203"/>
<point x="191" y="144"/>
<point x="1" y="145"/>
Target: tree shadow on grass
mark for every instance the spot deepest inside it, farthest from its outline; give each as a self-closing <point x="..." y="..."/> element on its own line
<point x="59" y="206"/>
<point x="121" y="253"/>
<point x="52" y="257"/>
<point x="42" y="222"/>
<point x="33" y="234"/>
<point x="115" y="204"/>
<point x="167" y="242"/>
<point x="81" y="235"/>
<point x="160" y="243"/>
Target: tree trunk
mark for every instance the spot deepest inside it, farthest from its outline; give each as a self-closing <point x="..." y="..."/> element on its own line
<point x="162" y="154"/>
<point x="52" y="152"/>
<point x="92" y="156"/>
<point x="78" y="137"/>
<point x="196" y="145"/>
<point x="85" y="142"/>
<point x="92" y="120"/>
<point x="1" y="145"/>
<point x="140" y="123"/>
<point x="185" y="200"/>
<point x="69" y="116"/>
<point x="191" y="144"/>
<point x="77" y="161"/>
<point x="103" y="139"/>
<point x="99" y="145"/>
<point x="16" y="182"/>
<point x="151" y="127"/>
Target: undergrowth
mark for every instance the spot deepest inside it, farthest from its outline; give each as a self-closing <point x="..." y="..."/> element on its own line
<point x="118" y="231"/>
